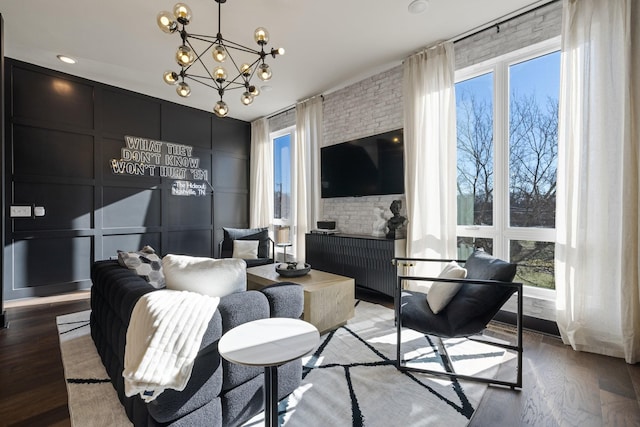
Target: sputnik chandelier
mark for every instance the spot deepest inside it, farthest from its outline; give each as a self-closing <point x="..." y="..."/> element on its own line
<point x="221" y="50"/>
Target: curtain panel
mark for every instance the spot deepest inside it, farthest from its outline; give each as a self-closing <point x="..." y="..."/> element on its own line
<point x="597" y="252"/>
<point x="430" y="153"/>
<point x="307" y="169"/>
<point x="260" y="175"/>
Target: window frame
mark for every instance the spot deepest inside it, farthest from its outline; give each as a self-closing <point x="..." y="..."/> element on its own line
<point x="501" y="232"/>
<point x="276" y="222"/>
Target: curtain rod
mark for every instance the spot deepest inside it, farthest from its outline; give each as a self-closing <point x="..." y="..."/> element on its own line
<point x="291" y="107"/>
<point x="501" y="20"/>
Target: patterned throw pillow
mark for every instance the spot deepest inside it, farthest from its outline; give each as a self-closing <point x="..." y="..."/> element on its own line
<point x="145" y="263"/>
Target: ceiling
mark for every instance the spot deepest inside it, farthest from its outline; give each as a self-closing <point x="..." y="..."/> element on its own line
<point x="329" y="43"/>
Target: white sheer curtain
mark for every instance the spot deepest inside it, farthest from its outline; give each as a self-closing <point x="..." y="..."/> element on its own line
<point x="260" y="175"/>
<point x="307" y="169"/>
<point x="597" y="256"/>
<point x="430" y="153"/>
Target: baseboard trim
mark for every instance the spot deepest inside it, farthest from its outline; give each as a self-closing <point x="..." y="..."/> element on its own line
<point x="533" y="323"/>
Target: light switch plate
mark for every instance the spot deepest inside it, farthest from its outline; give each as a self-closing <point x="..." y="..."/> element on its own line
<point x="20" y="212"/>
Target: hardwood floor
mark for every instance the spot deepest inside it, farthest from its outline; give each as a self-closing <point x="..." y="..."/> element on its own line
<point x="31" y="377"/>
<point x="561" y="387"/>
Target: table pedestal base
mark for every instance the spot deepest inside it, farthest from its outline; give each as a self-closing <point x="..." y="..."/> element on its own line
<point x="271" y="396"/>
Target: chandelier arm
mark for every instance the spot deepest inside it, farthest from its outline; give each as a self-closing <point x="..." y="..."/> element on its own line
<point x="253" y="69"/>
<point x="241" y="47"/>
<point x="196" y="78"/>
<point x="204" y="38"/>
<point x="234" y="82"/>
<point x="199" y="59"/>
<point x="216" y="85"/>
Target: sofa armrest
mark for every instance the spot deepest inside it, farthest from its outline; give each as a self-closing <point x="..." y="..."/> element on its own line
<point x="285" y="299"/>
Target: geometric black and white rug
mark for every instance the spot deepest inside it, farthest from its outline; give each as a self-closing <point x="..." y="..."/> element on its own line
<point x="93" y="401"/>
<point x="350" y="380"/>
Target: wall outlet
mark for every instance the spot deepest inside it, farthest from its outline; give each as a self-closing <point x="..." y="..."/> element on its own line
<point x="20" y="212"/>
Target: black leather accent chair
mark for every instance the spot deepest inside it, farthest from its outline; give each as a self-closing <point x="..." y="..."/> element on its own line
<point x="486" y="288"/>
<point x="265" y="244"/>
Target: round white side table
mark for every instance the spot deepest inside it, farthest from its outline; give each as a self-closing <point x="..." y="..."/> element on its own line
<point x="269" y="343"/>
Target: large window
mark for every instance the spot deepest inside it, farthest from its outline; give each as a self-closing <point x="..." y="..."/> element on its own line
<point x="282" y="143"/>
<point x="507" y="126"/>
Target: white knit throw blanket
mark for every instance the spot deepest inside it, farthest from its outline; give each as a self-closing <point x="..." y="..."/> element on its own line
<point x="163" y="339"/>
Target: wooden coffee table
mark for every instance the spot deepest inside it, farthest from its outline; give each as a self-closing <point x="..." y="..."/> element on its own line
<point x="329" y="299"/>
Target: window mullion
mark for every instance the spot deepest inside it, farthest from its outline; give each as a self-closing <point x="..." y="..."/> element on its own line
<point x="501" y="160"/>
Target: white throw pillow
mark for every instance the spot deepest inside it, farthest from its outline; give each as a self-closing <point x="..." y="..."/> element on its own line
<point x="441" y="293"/>
<point x="208" y="276"/>
<point x="245" y="249"/>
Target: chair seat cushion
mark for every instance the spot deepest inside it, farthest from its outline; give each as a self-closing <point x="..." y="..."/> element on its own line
<point x="417" y="315"/>
<point x="258" y="261"/>
<point x="471" y="308"/>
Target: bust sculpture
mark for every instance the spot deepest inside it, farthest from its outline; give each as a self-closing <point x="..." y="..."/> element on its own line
<point x="397" y="221"/>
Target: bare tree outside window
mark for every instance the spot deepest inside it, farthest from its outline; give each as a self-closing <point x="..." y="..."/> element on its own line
<point x="532" y="163"/>
<point x="475" y="160"/>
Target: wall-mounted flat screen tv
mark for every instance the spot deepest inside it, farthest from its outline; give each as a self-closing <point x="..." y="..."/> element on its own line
<point x="363" y="167"/>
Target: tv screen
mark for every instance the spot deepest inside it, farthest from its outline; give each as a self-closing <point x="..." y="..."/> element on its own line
<point x="364" y="167"/>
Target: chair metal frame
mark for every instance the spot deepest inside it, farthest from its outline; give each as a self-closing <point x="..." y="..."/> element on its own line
<point x="449" y="371"/>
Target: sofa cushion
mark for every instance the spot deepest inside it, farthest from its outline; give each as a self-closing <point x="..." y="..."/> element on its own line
<point x="208" y="276"/>
<point x="145" y="263"/>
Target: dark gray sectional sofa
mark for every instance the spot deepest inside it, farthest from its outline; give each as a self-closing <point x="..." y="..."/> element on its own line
<point x="219" y="393"/>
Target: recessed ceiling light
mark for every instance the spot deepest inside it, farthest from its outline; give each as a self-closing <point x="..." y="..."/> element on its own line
<point x="266" y="88"/>
<point x="418" y="6"/>
<point x="67" y="59"/>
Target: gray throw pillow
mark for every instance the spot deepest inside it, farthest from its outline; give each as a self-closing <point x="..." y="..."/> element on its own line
<point x="145" y="263"/>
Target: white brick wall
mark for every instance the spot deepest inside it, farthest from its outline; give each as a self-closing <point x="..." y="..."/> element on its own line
<point x="534" y="27"/>
<point x="366" y="108"/>
<point x="354" y="215"/>
<point x="282" y="120"/>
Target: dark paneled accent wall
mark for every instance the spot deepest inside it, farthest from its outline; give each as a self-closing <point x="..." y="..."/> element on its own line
<point x="61" y="132"/>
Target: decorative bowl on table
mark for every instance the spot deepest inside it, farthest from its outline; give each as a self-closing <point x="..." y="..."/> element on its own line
<point x="292" y="269"/>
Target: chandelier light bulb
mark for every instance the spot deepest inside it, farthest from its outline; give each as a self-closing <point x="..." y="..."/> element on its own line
<point x="261" y="36"/>
<point x="278" y="51"/>
<point x="246" y="98"/>
<point x="219" y="53"/>
<point x="166" y="22"/>
<point x="221" y="109"/>
<point x="185" y="56"/>
<point x="182" y="12"/>
<point x="183" y="89"/>
<point x="245" y="70"/>
<point x="254" y="91"/>
<point x="219" y="74"/>
<point x="170" y="77"/>
<point x="264" y="72"/>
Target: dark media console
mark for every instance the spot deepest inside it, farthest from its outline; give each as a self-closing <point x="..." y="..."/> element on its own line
<point x="366" y="259"/>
